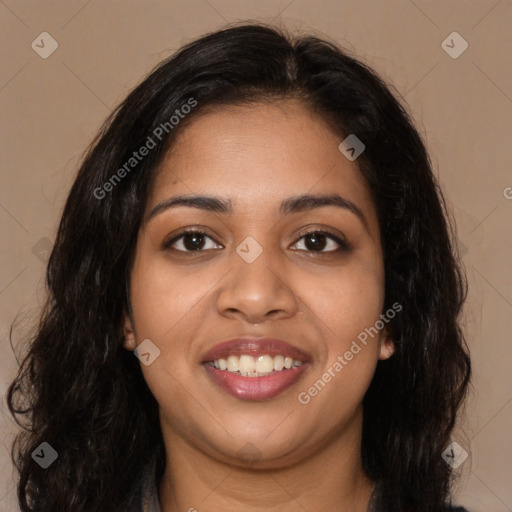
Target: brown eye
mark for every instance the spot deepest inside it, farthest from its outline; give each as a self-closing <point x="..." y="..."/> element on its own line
<point x="318" y="241"/>
<point x="189" y="241"/>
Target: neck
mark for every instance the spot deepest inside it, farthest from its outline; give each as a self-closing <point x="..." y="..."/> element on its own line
<point x="331" y="478"/>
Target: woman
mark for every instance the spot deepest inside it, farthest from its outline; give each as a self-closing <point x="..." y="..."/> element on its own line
<point x="259" y="224"/>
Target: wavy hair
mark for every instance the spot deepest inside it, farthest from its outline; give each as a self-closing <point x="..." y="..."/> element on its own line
<point x="77" y="387"/>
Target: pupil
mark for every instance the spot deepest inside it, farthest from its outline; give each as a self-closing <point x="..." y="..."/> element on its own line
<point x="317" y="239"/>
<point x="195" y="239"/>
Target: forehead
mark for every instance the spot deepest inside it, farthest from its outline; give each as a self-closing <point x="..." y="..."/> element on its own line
<point x="258" y="154"/>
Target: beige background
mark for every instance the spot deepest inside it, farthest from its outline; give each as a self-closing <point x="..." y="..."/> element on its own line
<point x="51" y="108"/>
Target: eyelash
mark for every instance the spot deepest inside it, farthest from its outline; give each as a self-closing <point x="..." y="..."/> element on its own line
<point x="343" y="246"/>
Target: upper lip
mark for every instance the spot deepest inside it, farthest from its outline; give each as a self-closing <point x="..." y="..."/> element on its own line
<point x="254" y="347"/>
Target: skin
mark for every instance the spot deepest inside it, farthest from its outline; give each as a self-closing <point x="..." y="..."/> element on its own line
<point x="258" y="155"/>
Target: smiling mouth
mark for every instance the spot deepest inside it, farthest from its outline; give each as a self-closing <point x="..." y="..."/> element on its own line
<point x="257" y="378"/>
<point x="246" y="365"/>
<point x="255" y="368"/>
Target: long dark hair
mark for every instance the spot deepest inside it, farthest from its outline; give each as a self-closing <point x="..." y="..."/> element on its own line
<point x="80" y="391"/>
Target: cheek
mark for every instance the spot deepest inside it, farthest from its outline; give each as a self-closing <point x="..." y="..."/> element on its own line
<point x="348" y="308"/>
<point x="164" y="297"/>
<point x="163" y="308"/>
<point x="348" y="301"/>
<point x="169" y="307"/>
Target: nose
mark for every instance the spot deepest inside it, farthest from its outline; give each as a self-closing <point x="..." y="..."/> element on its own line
<point x="257" y="291"/>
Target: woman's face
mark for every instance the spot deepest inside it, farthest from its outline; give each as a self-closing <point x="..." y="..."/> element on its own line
<point x="255" y="272"/>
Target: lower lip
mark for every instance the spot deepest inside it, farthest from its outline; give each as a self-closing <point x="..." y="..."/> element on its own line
<point x="255" y="388"/>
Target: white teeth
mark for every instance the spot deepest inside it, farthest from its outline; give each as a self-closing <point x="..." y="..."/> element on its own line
<point x="260" y="366"/>
<point x="264" y="364"/>
<point x="232" y="364"/>
<point x="246" y="364"/>
<point x="278" y="363"/>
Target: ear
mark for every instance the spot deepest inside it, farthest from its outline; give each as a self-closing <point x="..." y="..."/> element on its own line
<point x="129" y="335"/>
<point x="386" y="343"/>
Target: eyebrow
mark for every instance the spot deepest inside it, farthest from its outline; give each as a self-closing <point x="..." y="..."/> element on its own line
<point x="305" y="202"/>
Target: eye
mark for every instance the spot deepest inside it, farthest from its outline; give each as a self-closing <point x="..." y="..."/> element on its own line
<point x="191" y="240"/>
<point x="317" y="240"/>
